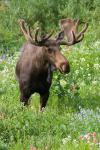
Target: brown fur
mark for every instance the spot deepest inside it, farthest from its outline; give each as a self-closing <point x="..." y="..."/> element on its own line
<point x="34" y="69"/>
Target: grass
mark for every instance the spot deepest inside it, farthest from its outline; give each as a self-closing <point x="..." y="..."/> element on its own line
<point x="73" y="109"/>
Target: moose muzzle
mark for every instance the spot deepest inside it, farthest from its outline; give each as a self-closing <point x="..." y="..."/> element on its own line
<point x="64" y="67"/>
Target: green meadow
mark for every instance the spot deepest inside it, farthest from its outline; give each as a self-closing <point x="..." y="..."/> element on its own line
<point x="71" y="120"/>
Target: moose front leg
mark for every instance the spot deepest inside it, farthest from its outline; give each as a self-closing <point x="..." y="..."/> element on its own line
<point x="24" y="98"/>
<point x="43" y="100"/>
<point x="25" y="94"/>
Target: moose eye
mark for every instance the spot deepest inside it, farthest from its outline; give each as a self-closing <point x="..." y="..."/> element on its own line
<point x="50" y="50"/>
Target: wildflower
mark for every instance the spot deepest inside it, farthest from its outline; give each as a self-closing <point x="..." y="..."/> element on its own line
<point x="32" y="148"/>
<point x="96" y="66"/>
<point x="98" y="144"/>
<point x="64" y="141"/>
<point x="62" y="83"/>
<point x="67" y="139"/>
<point x="81" y="138"/>
<point x="74" y="88"/>
<point x="96" y="44"/>
<point x="94" y="140"/>
<point x="82" y="59"/>
<point x="77" y="72"/>
<point x="94" y="82"/>
<point x="94" y="134"/>
<point x="89" y="74"/>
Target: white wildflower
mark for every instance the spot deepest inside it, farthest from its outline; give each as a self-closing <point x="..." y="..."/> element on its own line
<point x="97" y="44"/>
<point x="62" y="82"/>
<point x="87" y="65"/>
<point x="77" y="72"/>
<point x="89" y="74"/>
<point x="69" y="137"/>
<point x="74" y="141"/>
<point x="64" y="141"/>
<point x="96" y="66"/>
<point x="82" y="59"/>
<point x="94" y="82"/>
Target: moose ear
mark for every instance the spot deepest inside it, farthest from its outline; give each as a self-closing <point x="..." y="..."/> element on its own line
<point x="60" y="36"/>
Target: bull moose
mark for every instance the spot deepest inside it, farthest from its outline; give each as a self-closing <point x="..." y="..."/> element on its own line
<point x="39" y="57"/>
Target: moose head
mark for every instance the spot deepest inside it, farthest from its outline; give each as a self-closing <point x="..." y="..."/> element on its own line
<point x="52" y="46"/>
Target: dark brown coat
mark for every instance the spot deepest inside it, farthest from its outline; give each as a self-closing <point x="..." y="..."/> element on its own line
<point x="38" y="59"/>
<point x="34" y="70"/>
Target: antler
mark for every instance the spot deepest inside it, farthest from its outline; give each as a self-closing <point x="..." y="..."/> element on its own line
<point x="28" y="36"/>
<point x="43" y="38"/>
<point x="70" y="28"/>
<point x="27" y="33"/>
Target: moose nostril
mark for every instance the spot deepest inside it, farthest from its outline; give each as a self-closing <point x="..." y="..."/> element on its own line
<point x="65" y="67"/>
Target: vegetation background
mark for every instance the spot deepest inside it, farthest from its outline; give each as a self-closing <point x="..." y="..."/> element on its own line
<point x="72" y="117"/>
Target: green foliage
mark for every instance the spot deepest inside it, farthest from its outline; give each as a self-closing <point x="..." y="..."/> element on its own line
<point x="74" y="86"/>
<point x="73" y="107"/>
<point x="45" y="13"/>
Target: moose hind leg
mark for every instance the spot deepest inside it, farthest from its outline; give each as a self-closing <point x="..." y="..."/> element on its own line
<point x="43" y="100"/>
